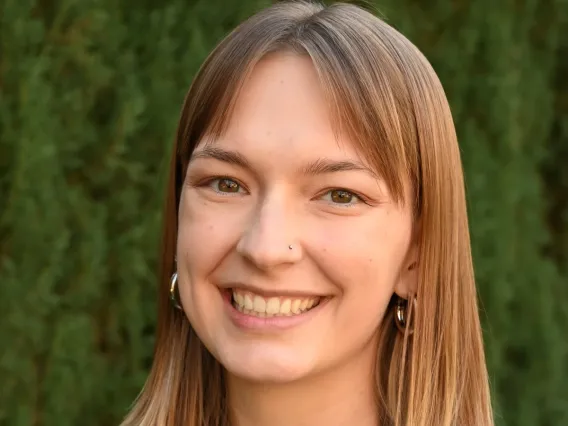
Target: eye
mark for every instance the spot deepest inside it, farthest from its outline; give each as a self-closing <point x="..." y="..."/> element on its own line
<point x="341" y="196"/>
<point x="225" y="185"/>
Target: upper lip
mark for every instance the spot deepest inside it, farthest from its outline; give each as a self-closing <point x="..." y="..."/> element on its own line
<point x="272" y="292"/>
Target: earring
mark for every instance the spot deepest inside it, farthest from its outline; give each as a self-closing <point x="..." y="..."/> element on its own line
<point x="174" y="293"/>
<point x="400" y="318"/>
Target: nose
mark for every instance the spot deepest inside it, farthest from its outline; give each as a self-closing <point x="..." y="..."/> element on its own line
<point x="271" y="238"/>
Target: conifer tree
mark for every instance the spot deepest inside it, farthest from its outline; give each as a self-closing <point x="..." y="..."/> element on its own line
<point x="90" y="93"/>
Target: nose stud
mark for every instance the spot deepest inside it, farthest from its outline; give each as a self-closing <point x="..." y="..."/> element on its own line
<point x="290" y="247"/>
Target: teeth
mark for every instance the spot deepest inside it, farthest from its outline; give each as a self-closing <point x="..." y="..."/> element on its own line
<point x="296" y="306"/>
<point x="240" y="299"/>
<point x="248" y="302"/>
<point x="273" y="305"/>
<point x="253" y="304"/>
<point x="285" y="306"/>
<point x="259" y="304"/>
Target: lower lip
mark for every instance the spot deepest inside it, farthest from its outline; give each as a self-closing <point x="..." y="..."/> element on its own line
<point x="251" y="322"/>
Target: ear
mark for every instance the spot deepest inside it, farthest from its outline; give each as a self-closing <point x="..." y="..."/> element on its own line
<point x="407" y="283"/>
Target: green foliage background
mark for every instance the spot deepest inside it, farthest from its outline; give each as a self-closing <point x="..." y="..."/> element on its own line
<point x="90" y="92"/>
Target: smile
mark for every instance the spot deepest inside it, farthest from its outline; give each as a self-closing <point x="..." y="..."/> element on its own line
<point x="258" y="306"/>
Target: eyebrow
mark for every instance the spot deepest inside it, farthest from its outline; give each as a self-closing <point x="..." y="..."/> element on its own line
<point x="325" y="165"/>
<point x="318" y="167"/>
<point x="230" y="157"/>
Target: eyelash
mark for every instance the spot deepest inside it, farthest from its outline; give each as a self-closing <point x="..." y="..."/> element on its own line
<point x="209" y="183"/>
<point x="360" y="198"/>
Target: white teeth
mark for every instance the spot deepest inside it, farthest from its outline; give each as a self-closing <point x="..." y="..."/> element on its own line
<point x="239" y="299"/>
<point x="296" y="306"/>
<point x="248" y="301"/>
<point x="259" y="304"/>
<point x="273" y="305"/>
<point x="256" y="305"/>
<point x="285" y="306"/>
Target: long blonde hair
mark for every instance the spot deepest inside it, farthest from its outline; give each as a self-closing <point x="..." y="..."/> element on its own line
<point x="387" y="96"/>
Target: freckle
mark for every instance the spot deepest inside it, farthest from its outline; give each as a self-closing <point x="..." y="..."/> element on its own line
<point x="281" y="81"/>
<point x="268" y="133"/>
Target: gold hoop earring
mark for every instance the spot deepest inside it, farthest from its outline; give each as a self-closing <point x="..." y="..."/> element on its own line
<point x="400" y="317"/>
<point x="174" y="293"/>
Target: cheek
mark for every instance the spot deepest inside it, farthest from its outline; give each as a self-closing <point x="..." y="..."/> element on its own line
<point x="205" y="233"/>
<point x="364" y="260"/>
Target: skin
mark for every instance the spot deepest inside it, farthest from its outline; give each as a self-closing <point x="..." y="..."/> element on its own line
<point x="355" y="248"/>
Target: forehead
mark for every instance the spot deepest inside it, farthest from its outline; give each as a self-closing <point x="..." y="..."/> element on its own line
<point x="285" y="82"/>
<point x="282" y="108"/>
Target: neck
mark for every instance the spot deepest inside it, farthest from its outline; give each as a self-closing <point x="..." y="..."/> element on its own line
<point x="342" y="397"/>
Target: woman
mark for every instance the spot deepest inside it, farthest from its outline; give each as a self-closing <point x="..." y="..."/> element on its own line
<point x="316" y="242"/>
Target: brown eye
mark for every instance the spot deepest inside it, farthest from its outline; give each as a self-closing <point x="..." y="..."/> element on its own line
<point x="340" y="196"/>
<point x="227" y="185"/>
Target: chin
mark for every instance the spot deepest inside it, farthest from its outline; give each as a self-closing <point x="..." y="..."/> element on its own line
<point x="268" y="373"/>
<point x="267" y="367"/>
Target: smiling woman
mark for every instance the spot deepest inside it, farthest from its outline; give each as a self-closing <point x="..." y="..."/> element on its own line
<point x="316" y="210"/>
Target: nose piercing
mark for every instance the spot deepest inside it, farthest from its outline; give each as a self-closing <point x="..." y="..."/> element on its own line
<point x="290" y="247"/>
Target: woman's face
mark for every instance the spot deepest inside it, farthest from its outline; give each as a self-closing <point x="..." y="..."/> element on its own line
<point x="289" y="245"/>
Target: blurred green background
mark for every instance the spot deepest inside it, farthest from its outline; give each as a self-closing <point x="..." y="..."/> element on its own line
<point x="90" y="93"/>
